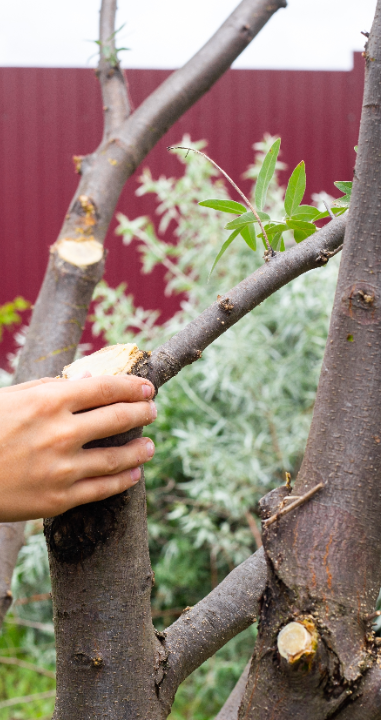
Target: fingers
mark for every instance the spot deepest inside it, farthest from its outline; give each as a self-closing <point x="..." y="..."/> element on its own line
<point x="113" y="419"/>
<point x="104" y="390"/>
<point x="31" y="384"/>
<point x="93" y="490"/>
<point x="98" y="462"/>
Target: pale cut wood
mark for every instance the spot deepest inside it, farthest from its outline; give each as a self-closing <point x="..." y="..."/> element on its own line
<point x="112" y="360"/>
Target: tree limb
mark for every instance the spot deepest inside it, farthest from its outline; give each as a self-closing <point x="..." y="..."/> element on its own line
<point x="187" y="345"/>
<point x="11" y="541"/>
<point x="205" y="628"/>
<point x="229" y="711"/>
<point x="78" y="248"/>
<point x="116" y="104"/>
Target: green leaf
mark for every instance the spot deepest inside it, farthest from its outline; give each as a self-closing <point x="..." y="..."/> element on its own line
<point x="295" y="189"/>
<point x="248" y="234"/>
<point x="224" y="248"/>
<point x="305" y="212"/>
<point x="336" y="211"/>
<point x="246" y="219"/>
<point x="277" y="241"/>
<point x="275" y="228"/>
<point x="302" y="230"/>
<point x="345" y="186"/>
<point x="265" y="174"/>
<point x="228" y="206"/>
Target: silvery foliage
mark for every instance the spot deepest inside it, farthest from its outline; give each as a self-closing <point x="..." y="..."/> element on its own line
<point x="230" y="425"/>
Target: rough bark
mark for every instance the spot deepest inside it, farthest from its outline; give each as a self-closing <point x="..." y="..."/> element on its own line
<point x="77" y="257"/>
<point x="205" y="628"/>
<point x="324" y="558"/>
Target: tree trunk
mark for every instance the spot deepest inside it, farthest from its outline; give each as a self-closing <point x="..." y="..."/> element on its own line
<point x="324" y="558"/>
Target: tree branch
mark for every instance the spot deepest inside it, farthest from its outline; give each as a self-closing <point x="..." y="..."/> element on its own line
<point x="116" y="104"/>
<point x="187" y="345"/>
<point x="229" y="711"/>
<point x="205" y="628"/>
<point x="78" y="250"/>
<point x="11" y="541"/>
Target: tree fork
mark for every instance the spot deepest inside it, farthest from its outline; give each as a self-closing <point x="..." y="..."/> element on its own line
<point x="78" y="251"/>
<point x="88" y="543"/>
<point x="323" y="559"/>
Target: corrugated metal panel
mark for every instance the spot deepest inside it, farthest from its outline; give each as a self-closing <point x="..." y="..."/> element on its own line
<point x="49" y="115"/>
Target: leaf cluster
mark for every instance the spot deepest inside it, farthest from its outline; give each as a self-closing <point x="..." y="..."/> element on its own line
<point x="299" y="219"/>
<point x="10" y="313"/>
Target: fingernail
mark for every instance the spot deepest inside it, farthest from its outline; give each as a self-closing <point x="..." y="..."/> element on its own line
<point x="81" y="375"/>
<point x="135" y="474"/>
<point x="150" y="448"/>
<point x="147" y="391"/>
<point x="153" y="410"/>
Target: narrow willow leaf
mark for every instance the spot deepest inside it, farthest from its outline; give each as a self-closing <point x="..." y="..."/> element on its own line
<point x="246" y="219"/>
<point x="275" y="228"/>
<point x="325" y="214"/>
<point x="248" y="234"/>
<point x="305" y="212"/>
<point x="295" y="189"/>
<point x="301" y="227"/>
<point x="282" y="245"/>
<point x="276" y="241"/>
<point x="228" y="206"/>
<point x="224" y="248"/>
<point x="345" y="186"/>
<point x="265" y="174"/>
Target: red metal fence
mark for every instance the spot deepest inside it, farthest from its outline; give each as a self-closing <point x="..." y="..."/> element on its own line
<point x="49" y="115"/>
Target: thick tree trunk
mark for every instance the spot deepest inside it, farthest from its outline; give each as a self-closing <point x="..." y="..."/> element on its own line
<point x="324" y="558"/>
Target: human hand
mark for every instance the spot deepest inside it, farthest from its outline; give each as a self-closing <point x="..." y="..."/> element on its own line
<point x="44" y="469"/>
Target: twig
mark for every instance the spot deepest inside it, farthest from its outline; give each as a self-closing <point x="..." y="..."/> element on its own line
<point x="293" y="505"/>
<point x="33" y="598"/>
<point x="325" y="255"/>
<point x="254" y="529"/>
<point x="27" y="666"/>
<point x="373" y="616"/>
<point x="27" y="699"/>
<point x="45" y="627"/>
<point x="270" y="251"/>
<point x="329" y="211"/>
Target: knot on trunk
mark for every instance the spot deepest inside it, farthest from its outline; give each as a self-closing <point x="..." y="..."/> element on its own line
<point x="73" y="536"/>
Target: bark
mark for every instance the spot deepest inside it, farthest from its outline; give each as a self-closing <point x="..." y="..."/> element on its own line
<point x="205" y="628"/>
<point x="77" y="257"/>
<point x="230" y="709"/>
<point x="324" y="558"/>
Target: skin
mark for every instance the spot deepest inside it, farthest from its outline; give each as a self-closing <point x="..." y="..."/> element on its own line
<point x="44" y="469"/>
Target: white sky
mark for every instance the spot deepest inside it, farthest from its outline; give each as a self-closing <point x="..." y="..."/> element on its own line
<point x="310" y="34"/>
